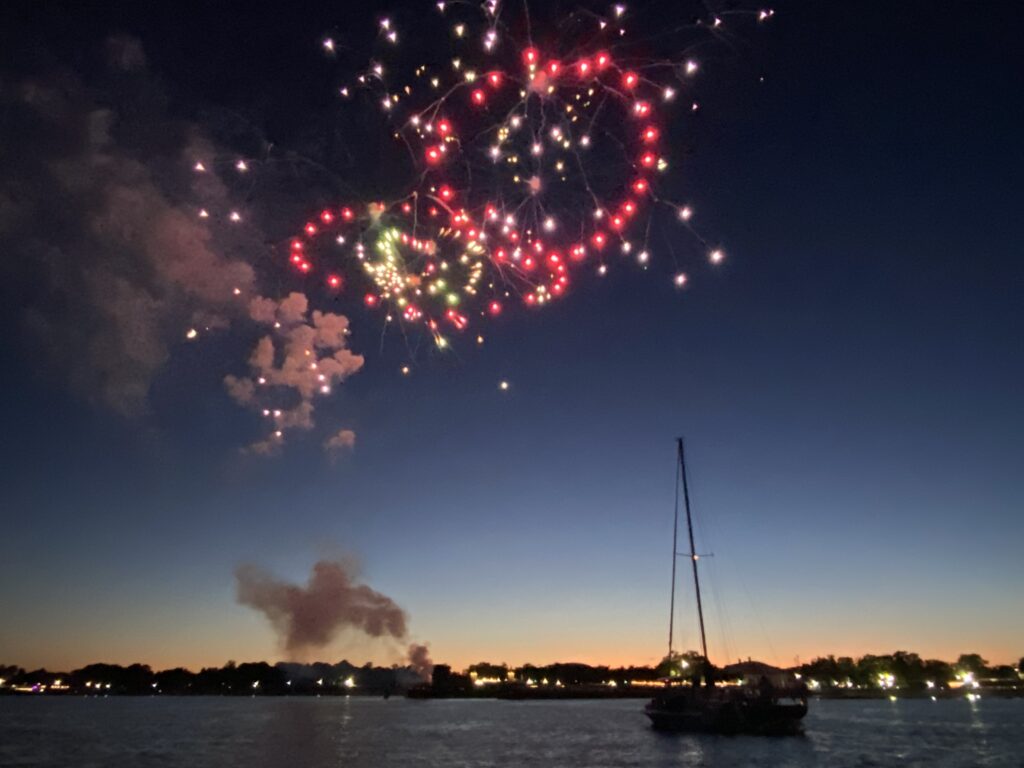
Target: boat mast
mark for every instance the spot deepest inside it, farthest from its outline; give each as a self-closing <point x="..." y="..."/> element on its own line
<point x="675" y="554"/>
<point x="693" y="551"/>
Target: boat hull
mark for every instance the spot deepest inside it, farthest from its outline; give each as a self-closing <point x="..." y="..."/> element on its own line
<point x="686" y="713"/>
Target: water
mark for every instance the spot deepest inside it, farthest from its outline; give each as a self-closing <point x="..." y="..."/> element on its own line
<point x="356" y="732"/>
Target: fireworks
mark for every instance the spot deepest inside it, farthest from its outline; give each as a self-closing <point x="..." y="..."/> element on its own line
<point x="539" y="153"/>
<point x="530" y="164"/>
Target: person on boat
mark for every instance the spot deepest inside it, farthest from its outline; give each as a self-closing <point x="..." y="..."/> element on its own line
<point x="801" y="690"/>
<point x="703" y="672"/>
<point x="765" y="689"/>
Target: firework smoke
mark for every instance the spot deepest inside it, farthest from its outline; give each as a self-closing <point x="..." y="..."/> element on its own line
<point x="303" y="356"/>
<point x="108" y="262"/>
<point x="333" y="600"/>
<point x="419" y="660"/>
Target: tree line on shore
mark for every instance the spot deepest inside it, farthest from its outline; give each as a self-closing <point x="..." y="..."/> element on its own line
<point x="906" y="670"/>
<point x="251" y="678"/>
<point x="899" y="670"/>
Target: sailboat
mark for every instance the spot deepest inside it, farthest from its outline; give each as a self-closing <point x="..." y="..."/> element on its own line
<point x="767" y="704"/>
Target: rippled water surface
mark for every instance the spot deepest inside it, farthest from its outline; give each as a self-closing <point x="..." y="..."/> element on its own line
<point x="167" y="731"/>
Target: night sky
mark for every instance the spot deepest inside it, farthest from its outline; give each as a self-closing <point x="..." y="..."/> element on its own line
<point x="848" y="381"/>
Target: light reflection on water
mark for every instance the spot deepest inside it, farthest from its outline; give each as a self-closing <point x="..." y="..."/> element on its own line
<point x="350" y="733"/>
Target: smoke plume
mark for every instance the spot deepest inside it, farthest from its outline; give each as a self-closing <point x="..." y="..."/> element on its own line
<point x="108" y="260"/>
<point x="333" y="600"/>
<point x="119" y="239"/>
<point x="304" y="356"/>
<point x="419" y="660"/>
<point x="345" y="440"/>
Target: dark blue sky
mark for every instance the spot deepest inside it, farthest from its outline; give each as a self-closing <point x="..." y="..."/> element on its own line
<point x="849" y="384"/>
